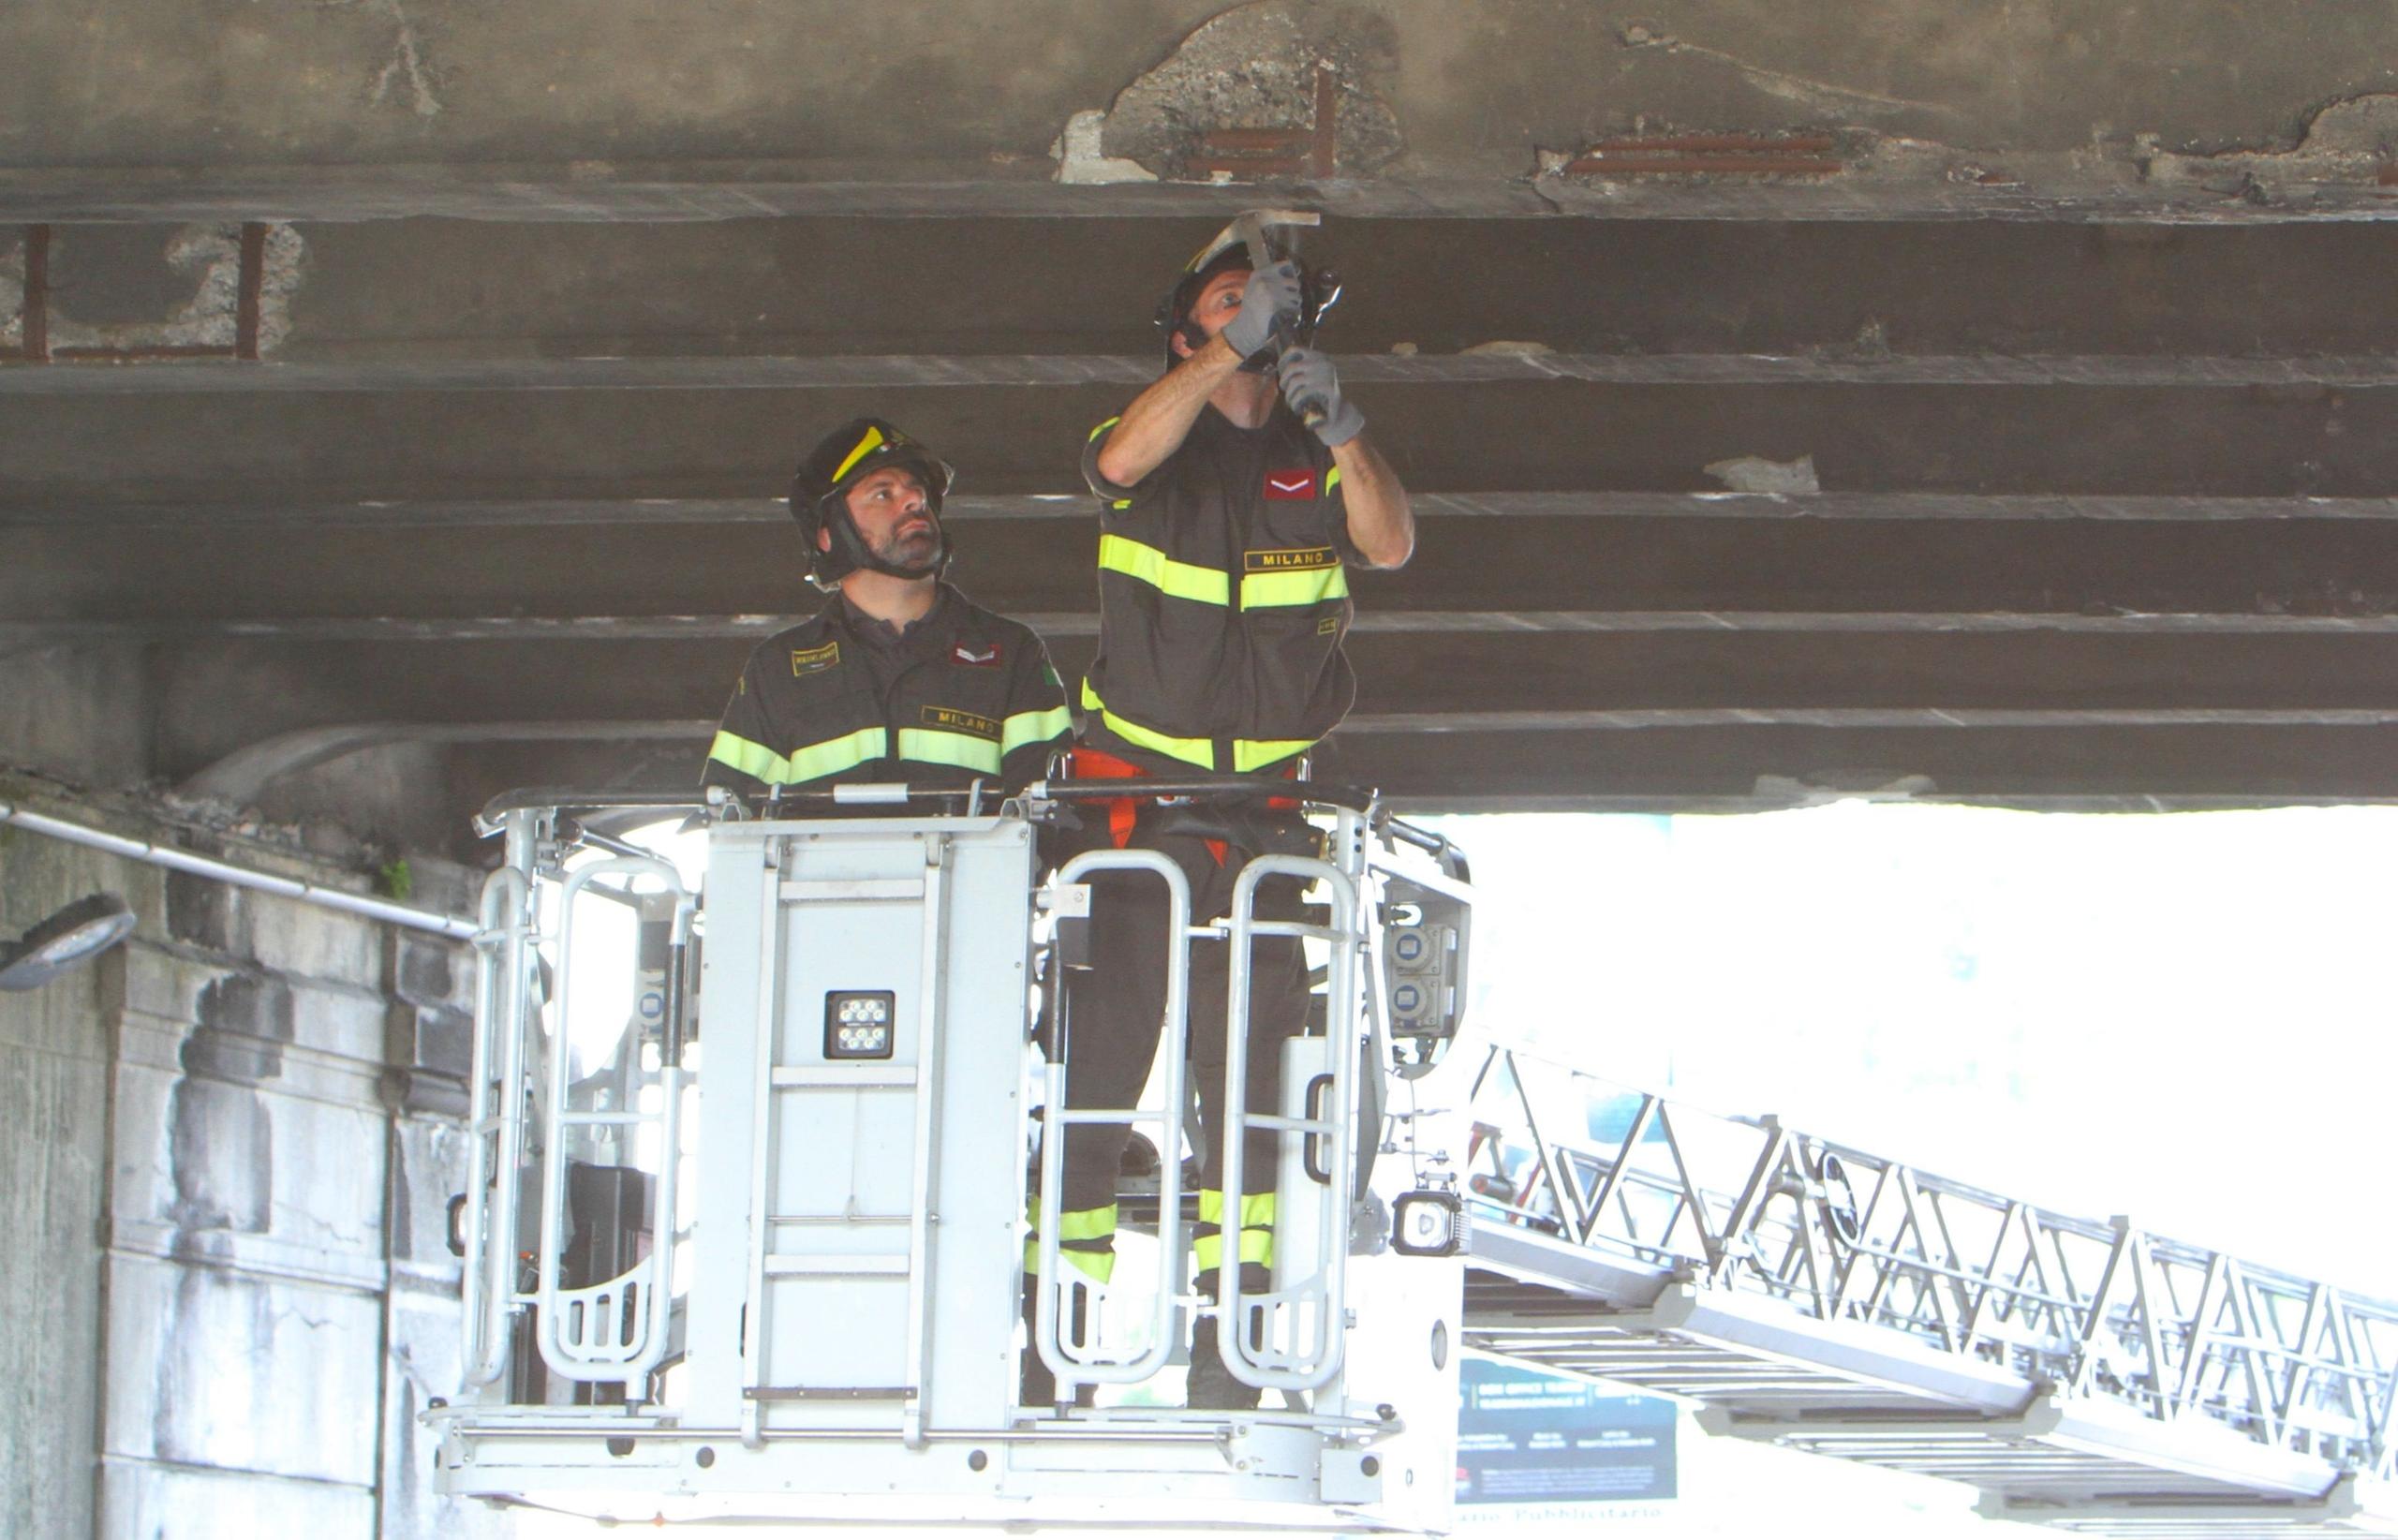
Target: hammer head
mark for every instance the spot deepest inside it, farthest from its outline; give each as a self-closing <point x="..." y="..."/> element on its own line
<point x="1248" y="229"/>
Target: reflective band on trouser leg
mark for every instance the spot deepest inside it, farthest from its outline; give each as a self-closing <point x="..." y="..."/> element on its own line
<point x="1256" y="1230"/>
<point x="929" y="746"/>
<point x="812" y="762"/>
<point x="1085" y="1238"/>
<point x="1198" y="751"/>
<point x="1029" y="727"/>
<point x="1149" y="565"/>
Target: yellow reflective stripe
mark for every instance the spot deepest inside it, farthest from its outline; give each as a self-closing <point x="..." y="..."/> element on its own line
<point x="1149" y="565"/>
<point x="929" y="746"/>
<point x="830" y="757"/>
<point x="1256" y="1208"/>
<point x="1103" y="427"/>
<point x="1257" y="753"/>
<point x="1086" y="1223"/>
<point x="1248" y="753"/>
<point x="1121" y="502"/>
<point x="873" y="441"/>
<point x="1098" y="1266"/>
<point x="1332" y="478"/>
<point x="1256" y="1229"/>
<point x="750" y="758"/>
<point x="1198" y="751"/>
<point x="1255" y="1246"/>
<point x="834" y="755"/>
<point x="1308" y="586"/>
<point x="1028" y="727"/>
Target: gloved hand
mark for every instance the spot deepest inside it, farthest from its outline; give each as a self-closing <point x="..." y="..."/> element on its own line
<point x="1274" y="291"/>
<point x="1309" y="380"/>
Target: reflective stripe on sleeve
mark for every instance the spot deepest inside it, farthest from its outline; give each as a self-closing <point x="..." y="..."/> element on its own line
<point x="754" y="760"/>
<point x="1030" y="727"/>
<point x="831" y="756"/>
<point x="930" y="746"/>
<point x="1149" y="565"/>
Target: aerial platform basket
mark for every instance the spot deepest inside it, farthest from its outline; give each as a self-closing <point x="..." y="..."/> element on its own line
<point x="761" y="1253"/>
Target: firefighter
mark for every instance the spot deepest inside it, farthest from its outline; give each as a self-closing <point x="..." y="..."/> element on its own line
<point x="1228" y="530"/>
<point x="901" y="678"/>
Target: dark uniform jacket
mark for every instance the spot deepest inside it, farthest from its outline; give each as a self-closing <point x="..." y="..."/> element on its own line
<point x="1224" y="595"/>
<point x="961" y="694"/>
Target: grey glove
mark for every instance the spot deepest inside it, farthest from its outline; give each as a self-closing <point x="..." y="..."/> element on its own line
<point x="1309" y="381"/>
<point x="1267" y="294"/>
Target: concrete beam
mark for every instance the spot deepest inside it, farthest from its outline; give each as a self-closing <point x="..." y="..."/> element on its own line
<point x="2238" y="441"/>
<point x="1737" y="765"/>
<point x="1509" y="554"/>
<point x="1133" y="374"/>
<point x="1867" y="295"/>
<point x="2053" y="189"/>
<point x="977" y="90"/>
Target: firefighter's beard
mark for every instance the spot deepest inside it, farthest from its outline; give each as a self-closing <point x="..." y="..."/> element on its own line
<point x="913" y="548"/>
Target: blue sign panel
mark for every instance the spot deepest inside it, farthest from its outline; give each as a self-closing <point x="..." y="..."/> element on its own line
<point x="1524" y="1437"/>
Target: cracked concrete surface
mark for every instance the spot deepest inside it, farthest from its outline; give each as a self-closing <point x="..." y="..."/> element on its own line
<point x="407" y="68"/>
<point x="1834" y="102"/>
<point x="818" y="90"/>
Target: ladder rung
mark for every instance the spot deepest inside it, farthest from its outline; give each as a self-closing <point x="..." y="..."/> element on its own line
<point x="852" y="890"/>
<point x="836" y="1266"/>
<point x="845" y="1078"/>
<point x="839" y="1219"/>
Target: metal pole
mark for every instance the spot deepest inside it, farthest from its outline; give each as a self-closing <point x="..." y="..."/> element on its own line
<point x="240" y="877"/>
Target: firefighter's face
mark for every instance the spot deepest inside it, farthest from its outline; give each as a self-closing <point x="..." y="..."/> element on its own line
<point x="1217" y="303"/>
<point x="895" y="518"/>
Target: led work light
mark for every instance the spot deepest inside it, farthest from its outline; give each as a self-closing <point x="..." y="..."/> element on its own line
<point x="858" y="1023"/>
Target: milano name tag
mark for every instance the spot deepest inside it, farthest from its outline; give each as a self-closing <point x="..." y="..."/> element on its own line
<point x="1305" y="559"/>
<point x="951" y="719"/>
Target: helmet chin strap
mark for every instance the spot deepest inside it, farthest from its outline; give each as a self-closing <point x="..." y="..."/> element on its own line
<point x="852" y="554"/>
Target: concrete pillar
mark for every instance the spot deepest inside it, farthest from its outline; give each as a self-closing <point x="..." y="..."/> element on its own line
<point x="229" y="1148"/>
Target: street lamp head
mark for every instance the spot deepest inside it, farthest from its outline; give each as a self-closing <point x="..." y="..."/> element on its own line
<point x="68" y="938"/>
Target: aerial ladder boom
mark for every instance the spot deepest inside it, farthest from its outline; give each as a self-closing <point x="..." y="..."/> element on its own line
<point x="2091" y="1375"/>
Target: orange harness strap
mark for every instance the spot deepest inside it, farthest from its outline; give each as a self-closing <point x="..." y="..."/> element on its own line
<point x="1087" y="763"/>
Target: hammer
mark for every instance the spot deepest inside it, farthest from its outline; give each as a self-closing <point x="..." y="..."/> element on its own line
<point x="1248" y="228"/>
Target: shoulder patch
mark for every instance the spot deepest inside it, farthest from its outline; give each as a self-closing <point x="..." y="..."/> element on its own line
<point x="951" y="719"/>
<point x="805" y="660"/>
<point x="967" y="655"/>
